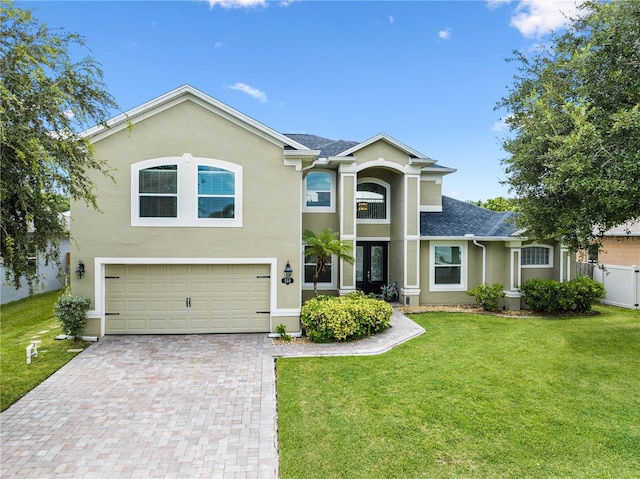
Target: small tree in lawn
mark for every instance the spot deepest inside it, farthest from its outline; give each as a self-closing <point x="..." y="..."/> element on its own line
<point x="321" y="247"/>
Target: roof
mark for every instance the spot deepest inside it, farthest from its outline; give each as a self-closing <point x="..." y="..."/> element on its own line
<point x="630" y="228"/>
<point x="459" y="219"/>
<point x="326" y="146"/>
<point x="180" y="94"/>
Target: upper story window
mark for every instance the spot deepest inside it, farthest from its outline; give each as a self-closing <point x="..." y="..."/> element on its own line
<point x="216" y="192"/>
<point x="186" y="191"/>
<point x="320" y="192"/>
<point x="372" y="201"/>
<point x="537" y="257"/>
<point x="158" y="189"/>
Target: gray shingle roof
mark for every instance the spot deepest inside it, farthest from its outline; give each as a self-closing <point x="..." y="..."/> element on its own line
<point x="459" y="218"/>
<point x="326" y="146"/>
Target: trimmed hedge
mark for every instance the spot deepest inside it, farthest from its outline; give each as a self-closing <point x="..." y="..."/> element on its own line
<point x="72" y="312"/>
<point x="344" y="318"/>
<point x="552" y="297"/>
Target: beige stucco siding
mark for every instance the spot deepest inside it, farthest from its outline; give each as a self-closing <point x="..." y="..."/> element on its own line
<point x="381" y="149"/>
<point x="620" y="250"/>
<point x="430" y="193"/>
<point x="190" y="128"/>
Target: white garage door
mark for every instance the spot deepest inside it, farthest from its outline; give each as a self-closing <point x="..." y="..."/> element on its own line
<point x="183" y="299"/>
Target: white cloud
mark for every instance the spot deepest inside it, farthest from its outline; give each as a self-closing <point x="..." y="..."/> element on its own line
<point x="218" y="45"/>
<point x="500" y="125"/>
<point x="249" y="90"/>
<point x="444" y="34"/>
<point x="237" y="3"/>
<point x="390" y="18"/>
<point x="493" y="4"/>
<point x="69" y="114"/>
<point x="535" y="18"/>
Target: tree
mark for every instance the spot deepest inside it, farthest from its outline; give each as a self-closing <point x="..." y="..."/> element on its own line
<point x="45" y="99"/>
<point x="498" y="204"/>
<point x="320" y="249"/>
<point x="574" y="117"/>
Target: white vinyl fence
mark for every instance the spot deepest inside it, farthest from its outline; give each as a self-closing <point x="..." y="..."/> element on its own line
<point x="622" y="284"/>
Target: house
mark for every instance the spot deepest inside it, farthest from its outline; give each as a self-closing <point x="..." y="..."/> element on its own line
<point x="51" y="275"/>
<point x="618" y="246"/>
<point x="202" y="228"/>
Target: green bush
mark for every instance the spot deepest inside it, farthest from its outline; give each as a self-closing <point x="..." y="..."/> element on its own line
<point x="72" y="312"/>
<point x="552" y="297"/>
<point x="344" y="318"/>
<point x="488" y="295"/>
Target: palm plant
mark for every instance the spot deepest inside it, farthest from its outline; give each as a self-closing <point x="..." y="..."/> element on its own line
<point x="321" y="247"/>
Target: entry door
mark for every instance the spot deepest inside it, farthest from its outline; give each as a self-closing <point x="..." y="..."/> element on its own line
<point x="371" y="265"/>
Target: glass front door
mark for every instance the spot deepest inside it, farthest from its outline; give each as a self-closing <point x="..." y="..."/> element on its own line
<point x="371" y="266"/>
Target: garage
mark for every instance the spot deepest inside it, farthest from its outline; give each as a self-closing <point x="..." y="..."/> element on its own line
<point x="187" y="298"/>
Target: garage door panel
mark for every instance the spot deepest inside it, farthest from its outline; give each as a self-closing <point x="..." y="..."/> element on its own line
<point x="152" y="299"/>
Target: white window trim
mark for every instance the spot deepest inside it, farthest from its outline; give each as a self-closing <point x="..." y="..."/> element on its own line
<point x="321" y="286"/>
<point x="332" y="197"/>
<point x="386" y="186"/>
<point x="463" y="267"/>
<point x="535" y="266"/>
<point x="187" y="193"/>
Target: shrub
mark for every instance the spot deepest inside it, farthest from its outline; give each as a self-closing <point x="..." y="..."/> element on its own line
<point x="344" y="318"/>
<point x="281" y="329"/>
<point x="72" y="312"/>
<point x="488" y="295"/>
<point x="552" y="297"/>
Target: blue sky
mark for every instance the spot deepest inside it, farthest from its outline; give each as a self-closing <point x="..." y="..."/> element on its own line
<point x="428" y="73"/>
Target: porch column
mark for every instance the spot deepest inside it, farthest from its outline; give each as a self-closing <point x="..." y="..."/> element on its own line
<point x="348" y="186"/>
<point x="410" y="292"/>
<point x="512" y="295"/>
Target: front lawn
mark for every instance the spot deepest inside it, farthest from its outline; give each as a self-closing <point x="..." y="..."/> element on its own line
<point x="475" y="396"/>
<point x="20" y="322"/>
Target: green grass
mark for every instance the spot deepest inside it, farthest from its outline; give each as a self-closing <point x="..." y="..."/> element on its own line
<point x="20" y="322"/>
<point x="474" y="397"/>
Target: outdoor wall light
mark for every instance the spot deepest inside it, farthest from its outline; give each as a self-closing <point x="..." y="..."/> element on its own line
<point x="287" y="274"/>
<point x="80" y="270"/>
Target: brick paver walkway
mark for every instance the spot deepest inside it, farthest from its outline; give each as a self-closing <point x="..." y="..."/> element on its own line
<point x="162" y="406"/>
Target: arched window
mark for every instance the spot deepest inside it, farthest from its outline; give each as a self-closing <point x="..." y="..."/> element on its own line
<point x="372" y="201"/>
<point x="186" y="191"/>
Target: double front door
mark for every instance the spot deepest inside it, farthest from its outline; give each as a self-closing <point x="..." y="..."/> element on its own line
<point x="371" y="265"/>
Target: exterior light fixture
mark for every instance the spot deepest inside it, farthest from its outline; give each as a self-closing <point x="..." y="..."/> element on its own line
<point x="287" y="274"/>
<point x="80" y="270"/>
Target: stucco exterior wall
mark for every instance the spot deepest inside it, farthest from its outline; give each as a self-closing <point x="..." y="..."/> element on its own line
<point x="620" y="250"/>
<point x="190" y="128"/>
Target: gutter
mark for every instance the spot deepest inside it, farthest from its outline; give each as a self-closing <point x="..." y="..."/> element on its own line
<point x="484" y="260"/>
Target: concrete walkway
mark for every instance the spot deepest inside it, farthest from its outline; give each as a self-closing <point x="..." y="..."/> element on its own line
<point x="163" y="407"/>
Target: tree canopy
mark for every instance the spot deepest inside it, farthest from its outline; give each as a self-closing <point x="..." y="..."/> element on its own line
<point x="46" y="99"/>
<point x="574" y="118"/>
<point x="499" y="203"/>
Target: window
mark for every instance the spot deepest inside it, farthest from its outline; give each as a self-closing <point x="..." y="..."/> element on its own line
<point x="158" y="187"/>
<point x="448" y="266"/>
<point x="537" y="257"/>
<point x="216" y="192"/>
<point x="186" y="191"/>
<point x="372" y="205"/>
<point x="326" y="277"/>
<point x="320" y="192"/>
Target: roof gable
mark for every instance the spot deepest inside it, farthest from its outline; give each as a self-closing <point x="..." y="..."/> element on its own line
<point x="414" y="154"/>
<point x="189" y="93"/>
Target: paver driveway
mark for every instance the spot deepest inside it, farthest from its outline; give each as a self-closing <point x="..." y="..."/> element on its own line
<point x="162" y="406"/>
<point x="150" y="406"/>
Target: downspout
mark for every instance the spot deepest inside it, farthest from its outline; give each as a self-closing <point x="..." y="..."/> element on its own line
<point x="484" y="260"/>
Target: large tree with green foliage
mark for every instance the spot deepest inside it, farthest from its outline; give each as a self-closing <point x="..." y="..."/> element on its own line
<point x="321" y="247"/>
<point x="46" y="99"/>
<point x="574" y="116"/>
